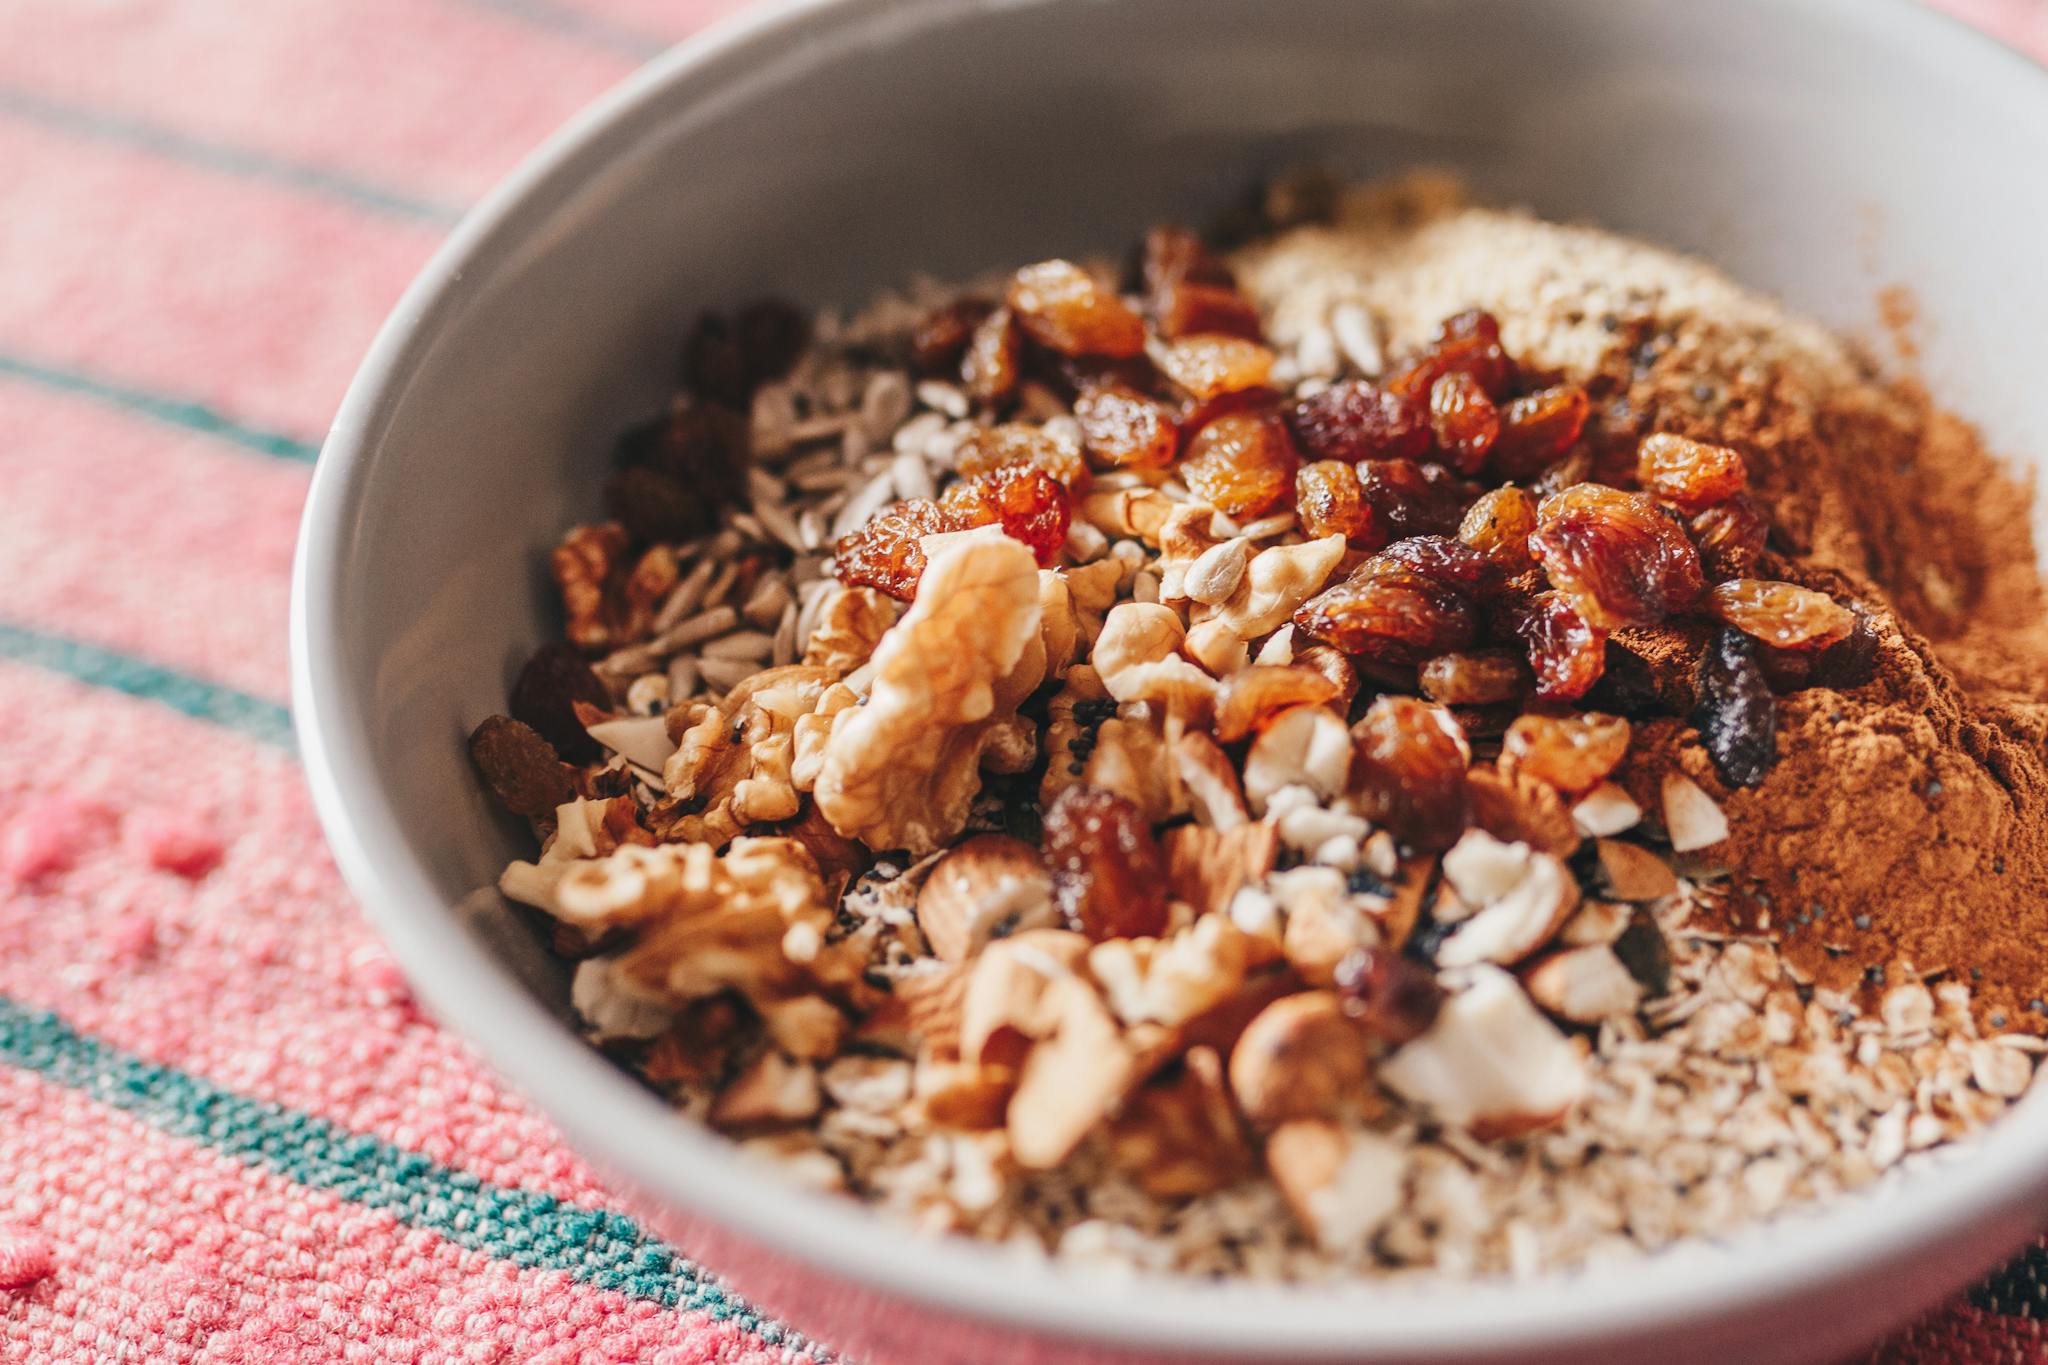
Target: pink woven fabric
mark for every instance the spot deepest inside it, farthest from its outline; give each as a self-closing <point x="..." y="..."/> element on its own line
<point x="226" y="1132"/>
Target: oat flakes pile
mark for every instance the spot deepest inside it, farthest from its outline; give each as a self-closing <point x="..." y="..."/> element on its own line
<point x="1129" y="774"/>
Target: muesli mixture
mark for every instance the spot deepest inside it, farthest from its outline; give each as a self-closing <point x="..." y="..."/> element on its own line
<point x="1429" y="740"/>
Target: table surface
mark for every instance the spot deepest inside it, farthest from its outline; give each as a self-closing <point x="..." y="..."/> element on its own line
<point x="226" y="1132"/>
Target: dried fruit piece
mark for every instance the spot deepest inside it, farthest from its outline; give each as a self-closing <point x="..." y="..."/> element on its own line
<point x="1440" y="559"/>
<point x="676" y="473"/>
<point x="1567" y="654"/>
<point x="1618" y="556"/>
<point x="1121" y="426"/>
<point x="1464" y="420"/>
<point x="726" y="359"/>
<point x="520" y="766"/>
<point x="1172" y="253"/>
<point x="1852" y="660"/>
<point x="1691" y="474"/>
<point x="994" y="359"/>
<point x="772" y="335"/>
<point x="1412" y="499"/>
<point x="1191" y="290"/>
<point x="1329" y="501"/>
<point x="1242" y="464"/>
<point x="1021" y="443"/>
<point x="1474" y="679"/>
<point x="1572" y="753"/>
<point x="1212" y="364"/>
<point x="1191" y="308"/>
<point x="1108" y="870"/>
<point x="1468" y="343"/>
<point x="1737" y="716"/>
<point x="545" y="695"/>
<point x="1062" y="306"/>
<point x="1252" y="696"/>
<point x="1783" y="615"/>
<point x="1027" y="502"/>
<point x="1408" y="766"/>
<point x="1498" y="526"/>
<point x="1355" y="421"/>
<point x="1390" y="997"/>
<point x="1395" y="615"/>
<point x="885" y="552"/>
<point x="942" y="334"/>
<point x="1730" y="536"/>
<point x="1538" y="428"/>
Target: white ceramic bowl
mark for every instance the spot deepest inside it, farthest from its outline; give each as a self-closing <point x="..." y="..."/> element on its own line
<point x="1816" y="148"/>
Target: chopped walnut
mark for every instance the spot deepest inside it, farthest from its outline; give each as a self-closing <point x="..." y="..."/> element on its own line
<point x="901" y="770"/>
<point x="752" y="919"/>
<point x="732" y="767"/>
<point x="606" y="603"/>
<point x="849" y="627"/>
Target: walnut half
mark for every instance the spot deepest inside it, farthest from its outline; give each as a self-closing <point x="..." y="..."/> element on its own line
<point x="901" y="770"/>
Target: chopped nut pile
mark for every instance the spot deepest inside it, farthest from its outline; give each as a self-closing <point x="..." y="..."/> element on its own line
<point x="1067" y="765"/>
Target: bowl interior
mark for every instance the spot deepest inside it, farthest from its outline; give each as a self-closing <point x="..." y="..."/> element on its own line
<point x="1819" y="150"/>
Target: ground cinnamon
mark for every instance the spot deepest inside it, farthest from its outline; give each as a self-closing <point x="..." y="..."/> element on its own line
<point x="1906" y="822"/>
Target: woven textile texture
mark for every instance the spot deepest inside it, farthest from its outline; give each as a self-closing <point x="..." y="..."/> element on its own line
<point x="226" y="1132"/>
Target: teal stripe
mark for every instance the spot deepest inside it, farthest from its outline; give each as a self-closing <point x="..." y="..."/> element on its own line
<point x="177" y="412"/>
<point x="242" y="162"/>
<point x="577" y="25"/>
<point x="100" y="667"/>
<point x="537" y="1231"/>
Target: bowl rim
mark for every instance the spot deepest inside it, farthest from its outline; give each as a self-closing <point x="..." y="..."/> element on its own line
<point x="627" y="1130"/>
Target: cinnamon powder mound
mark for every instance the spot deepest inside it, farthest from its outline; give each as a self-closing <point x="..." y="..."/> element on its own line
<point x="1915" y="806"/>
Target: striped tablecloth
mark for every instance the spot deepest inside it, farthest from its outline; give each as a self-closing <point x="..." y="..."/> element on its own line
<point x="226" y="1132"/>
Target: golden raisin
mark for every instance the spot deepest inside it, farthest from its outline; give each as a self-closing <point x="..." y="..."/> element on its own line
<point x="884" y="553"/>
<point x="1329" y="501"/>
<point x="1730" y="536"/>
<point x="1121" y="426"/>
<point x="1241" y="464"/>
<point x="1027" y="502"/>
<point x="1464" y="419"/>
<point x="1538" y="428"/>
<point x="1172" y="254"/>
<point x="1191" y="308"/>
<point x="1567" y="654"/>
<point x="1783" y="615"/>
<point x="1414" y="499"/>
<point x="1008" y="443"/>
<point x="1691" y="474"/>
<point x="1440" y="558"/>
<point x="1108" y="871"/>
<point x="1354" y="421"/>
<point x="1408" y="764"/>
<point x="1478" y="678"/>
<point x="993" y="363"/>
<point x="1468" y="343"/>
<point x="942" y="334"/>
<point x="1212" y="364"/>
<point x="1063" y="307"/>
<point x="1572" y="753"/>
<point x="1498" y="526"/>
<point x="1619" y="557"/>
<point x="1391" y="615"/>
